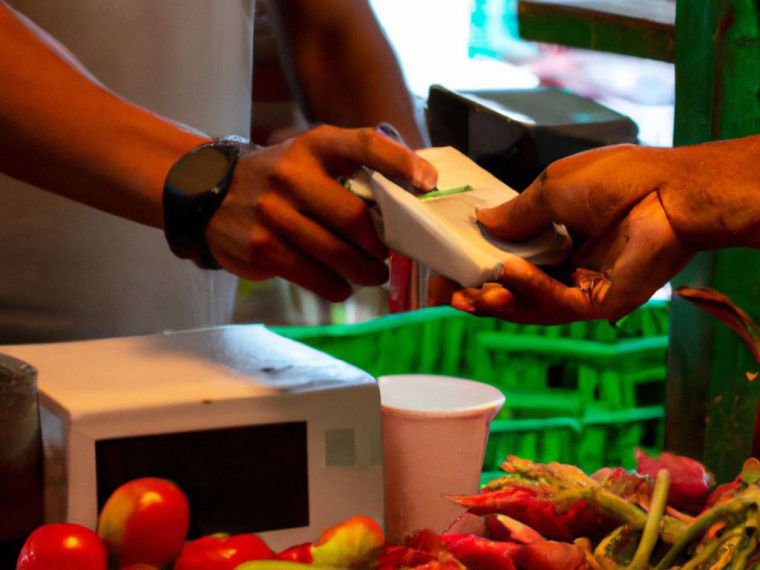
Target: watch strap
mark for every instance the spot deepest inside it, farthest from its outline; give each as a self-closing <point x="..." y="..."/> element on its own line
<point x="187" y="215"/>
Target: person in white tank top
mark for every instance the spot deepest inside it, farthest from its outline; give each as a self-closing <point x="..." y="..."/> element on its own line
<point x="165" y="77"/>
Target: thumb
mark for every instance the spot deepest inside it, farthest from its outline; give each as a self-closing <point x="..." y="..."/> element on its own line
<point x="521" y="218"/>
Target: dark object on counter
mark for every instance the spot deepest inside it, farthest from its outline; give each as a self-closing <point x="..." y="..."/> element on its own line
<point x="21" y="481"/>
<point x="516" y="134"/>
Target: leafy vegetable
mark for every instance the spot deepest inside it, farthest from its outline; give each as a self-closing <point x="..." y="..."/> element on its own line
<point x="719" y="305"/>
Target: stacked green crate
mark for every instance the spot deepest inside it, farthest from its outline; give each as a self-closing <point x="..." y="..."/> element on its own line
<point x="432" y="341"/>
<point x="584" y="393"/>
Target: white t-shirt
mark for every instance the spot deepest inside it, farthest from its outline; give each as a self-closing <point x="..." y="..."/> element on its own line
<point x="68" y="271"/>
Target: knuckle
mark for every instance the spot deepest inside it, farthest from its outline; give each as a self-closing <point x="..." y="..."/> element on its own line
<point x="281" y="173"/>
<point x="628" y="147"/>
<point x="369" y="140"/>
<point x="541" y="190"/>
<point x="302" y="142"/>
<point x="322" y="130"/>
<point x="264" y="210"/>
<point x="549" y="172"/>
<point x="318" y="132"/>
<point x="267" y="202"/>
<point x="298" y="142"/>
<point x="260" y="243"/>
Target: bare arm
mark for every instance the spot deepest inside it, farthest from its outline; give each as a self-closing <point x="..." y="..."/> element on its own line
<point x="342" y="67"/>
<point x="63" y="131"/>
<point x="712" y="198"/>
<point x="642" y="214"/>
<point x="284" y="214"/>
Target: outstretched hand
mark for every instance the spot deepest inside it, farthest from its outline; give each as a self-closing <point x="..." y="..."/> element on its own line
<point x="627" y="248"/>
<point x="286" y="215"/>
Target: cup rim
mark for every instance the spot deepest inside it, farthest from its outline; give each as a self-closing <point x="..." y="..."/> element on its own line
<point x="494" y="404"/>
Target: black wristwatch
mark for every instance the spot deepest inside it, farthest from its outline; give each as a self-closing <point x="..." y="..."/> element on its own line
<point x="194" y="189"/>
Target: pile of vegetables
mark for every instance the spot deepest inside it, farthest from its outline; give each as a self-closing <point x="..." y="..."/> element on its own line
<point x="144" y="525"/>
<point x="666" y="515"/>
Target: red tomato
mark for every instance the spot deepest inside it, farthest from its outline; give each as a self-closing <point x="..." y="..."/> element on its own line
<point x="298" y="553"/>
<point x="63" y="546"/>
<point x="145" y="520"/>
<point x="222" y="552"/>
<point x="139" y="566"/>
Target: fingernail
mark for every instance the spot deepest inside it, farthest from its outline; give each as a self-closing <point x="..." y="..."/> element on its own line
<point x="425" y="177"/>
<point x="389" y="131"/>
<point x="462" y="300"/>
<point x="423" y="183"/>
<point x="462" y="306"/>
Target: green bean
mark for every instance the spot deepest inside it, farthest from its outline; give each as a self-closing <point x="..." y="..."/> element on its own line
<point x="739" y="505"/>
<point x="727" y="541"/>
<point x="652" y="528"/>
<point x="740" y="561"/>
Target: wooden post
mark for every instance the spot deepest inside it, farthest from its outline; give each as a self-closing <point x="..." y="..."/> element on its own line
<point x="711" y="404"/>
<point x="643" y="28"/>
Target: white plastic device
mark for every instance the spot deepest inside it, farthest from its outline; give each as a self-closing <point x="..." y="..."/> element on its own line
<point x="264" y="434"/>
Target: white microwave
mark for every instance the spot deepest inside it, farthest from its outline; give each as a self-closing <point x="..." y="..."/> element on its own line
<point x="262" y="433"/>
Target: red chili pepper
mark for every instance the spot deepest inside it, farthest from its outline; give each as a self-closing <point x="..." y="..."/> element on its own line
<point x="403" y="557"/>
<point x="502" y="527"/>
<point x="426" y="540"/>
<point x="424" y="550"/>
<point x="494" y="501"/>
<point x="479" y="553"/>
<point x="541" y="514"/>
<point x="551" y="555"/>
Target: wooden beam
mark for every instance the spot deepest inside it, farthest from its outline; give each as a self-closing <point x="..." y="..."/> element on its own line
<point x="644" y="28"/>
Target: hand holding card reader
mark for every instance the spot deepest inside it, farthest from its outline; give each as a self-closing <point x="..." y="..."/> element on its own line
<point x="440" y="229"/>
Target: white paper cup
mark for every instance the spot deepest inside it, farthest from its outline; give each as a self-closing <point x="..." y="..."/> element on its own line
<point x="435" y="430"/>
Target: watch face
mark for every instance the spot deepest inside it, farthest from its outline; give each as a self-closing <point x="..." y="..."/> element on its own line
<point x="200" y="171"/>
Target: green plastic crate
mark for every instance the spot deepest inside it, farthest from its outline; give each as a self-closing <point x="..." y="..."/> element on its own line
<point x="574" y="392"/>
<point x="543" y="440"/>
